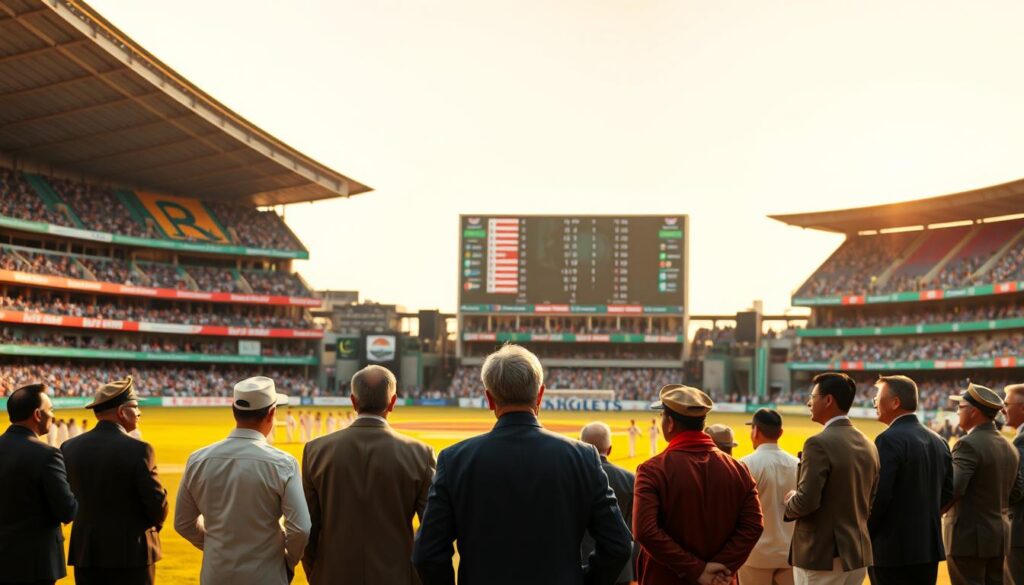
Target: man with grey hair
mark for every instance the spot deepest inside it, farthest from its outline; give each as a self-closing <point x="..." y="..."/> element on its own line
<point x="363" y="485"/>
<point x="599" y="435"/>
<point x="519" y="484"/>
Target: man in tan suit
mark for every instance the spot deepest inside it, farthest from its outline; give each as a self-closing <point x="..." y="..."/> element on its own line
<point x="363" y="485"/>
<point x="976" y="527"/>
<point x="836" y="484"/>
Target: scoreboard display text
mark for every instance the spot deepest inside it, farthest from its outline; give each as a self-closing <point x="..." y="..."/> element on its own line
<point x="594" y="261"/>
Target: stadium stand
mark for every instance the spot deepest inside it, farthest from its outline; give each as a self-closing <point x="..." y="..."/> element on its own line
<point x="18" y="200"/>
<point x="629" y="383"/>
<point x="98" y="208"/>
<point x="144" y="312"/>
<point x="72" y="378"/>
<point x="251" y="227"/>
<point x="959" y="256"/>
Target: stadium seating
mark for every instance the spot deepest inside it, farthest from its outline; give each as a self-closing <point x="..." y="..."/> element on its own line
<point x="51" y="337"/>
<point x="918" y="315"/>
<point x="155" y="274"/>
<point x="18" y="200"/>
<point x="629" y="383"/>
<point x="139" y="310"/>
<point x="98" y="208"/>
<point x="71" y="378"/>
<point x="935" y="348"/>
<point x="951" y="257"/>
<point x="263" y="229"/>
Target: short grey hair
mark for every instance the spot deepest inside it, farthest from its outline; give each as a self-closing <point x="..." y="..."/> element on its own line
<point x="373" y="387"/>
<point x="1014" y="389"/>
<point x="597" y="434"/>
<point x="513" y="375"/>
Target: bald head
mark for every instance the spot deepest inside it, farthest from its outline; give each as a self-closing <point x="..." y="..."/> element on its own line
<point x="373" y="388"/>
<point x="599" y="435"/>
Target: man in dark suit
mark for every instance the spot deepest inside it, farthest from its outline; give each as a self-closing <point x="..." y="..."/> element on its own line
<point x="915" y="483"/>
<point x="34" y="494"/>
<point x="835" y="486"/>
<point x="1014" y="569"/>
<point x="599" y="435"/>
<point x="115" y="538"/>
<point x="364" y="486"/>
<point x="519" y="498"/>
<point x="986" y="482"/>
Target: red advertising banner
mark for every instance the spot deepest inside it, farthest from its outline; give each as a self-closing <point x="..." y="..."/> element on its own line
<point x="75" y="284"/>
<point x="172" y="328"/>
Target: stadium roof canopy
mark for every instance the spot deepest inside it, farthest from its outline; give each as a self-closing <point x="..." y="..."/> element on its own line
<point x="995" y="201"/>
<point x="77" y="95"/>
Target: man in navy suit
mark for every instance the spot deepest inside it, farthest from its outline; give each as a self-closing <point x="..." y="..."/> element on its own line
<point x="915" y="483"/>
<point x="519" y="498"/>
<point x="35" y="497"/>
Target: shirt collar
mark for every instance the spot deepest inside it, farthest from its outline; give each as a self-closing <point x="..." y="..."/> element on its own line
<point x="1020" y="428"/>
<point x="914" y="414"/>
<point x="373" y="417"/>
<point x="836" y="418"/>
<point x="768" y="447"/>
<point x="250" y="434"/>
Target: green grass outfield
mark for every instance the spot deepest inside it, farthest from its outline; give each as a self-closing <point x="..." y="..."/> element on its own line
<point x="176" y="432"/>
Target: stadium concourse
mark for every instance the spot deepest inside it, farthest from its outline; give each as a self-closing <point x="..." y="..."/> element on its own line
<point x="930" y="288"/>
<point x="137" y="234"/>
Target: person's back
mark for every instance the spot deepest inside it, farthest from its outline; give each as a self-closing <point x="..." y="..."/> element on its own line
<point x="234" y="493"/>
<point x="519" y="498"/>
<point x="103" y="466"/>
<point x="34" y="492"/>
<point x="364" y="484"/>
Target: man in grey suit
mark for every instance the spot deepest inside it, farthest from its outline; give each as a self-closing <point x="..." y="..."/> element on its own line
<point x="599" y="435"/>
<point x="364" y="484"/>
<point x="34" y="491"/>
<point x="1014" y="568"/>
<point x="986" y="482"/>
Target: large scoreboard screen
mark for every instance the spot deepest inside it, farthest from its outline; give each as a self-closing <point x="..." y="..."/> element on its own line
<point x="588" y="263"/>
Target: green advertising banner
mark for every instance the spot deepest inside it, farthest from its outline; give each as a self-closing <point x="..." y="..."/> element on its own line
<point x="918" y="296"/>
<point x="80" y="401"/>
<point x="110" y="354"/>
<point x="1000" y="362"/>
<point x="573" y="337"/>
<point x="80" y="234"/>
<point x="993" y="325"/>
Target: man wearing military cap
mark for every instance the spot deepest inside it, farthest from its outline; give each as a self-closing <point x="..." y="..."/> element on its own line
<point x="122" y="505"/>
<point x="986" y="482"/>
<point x="696" y="513"/>
<point x="1014" y="569"/>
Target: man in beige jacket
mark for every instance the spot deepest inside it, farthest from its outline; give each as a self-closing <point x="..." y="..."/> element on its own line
<point x="363" y="485"/>
<point x="836" y="484"/>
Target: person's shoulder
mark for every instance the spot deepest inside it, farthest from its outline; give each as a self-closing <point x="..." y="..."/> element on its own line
<point x="410" y="443"/>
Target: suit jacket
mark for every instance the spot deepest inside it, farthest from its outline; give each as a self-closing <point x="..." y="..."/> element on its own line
<point x="363" y="485"/>
<point x="518" y="500"/>
<point x="34" y="500"/>
<point x="985" y="483"/>
<point x="835" y="487"/>
<point x="122" y="503"/>
<point x="693" y="504"/>
<point x="622" y="484"/>
<point x="1017" y="511"/>
<point x="914" y="485"/>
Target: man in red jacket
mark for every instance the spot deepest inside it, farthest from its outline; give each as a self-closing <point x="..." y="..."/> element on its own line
<point x="696" y="515"/>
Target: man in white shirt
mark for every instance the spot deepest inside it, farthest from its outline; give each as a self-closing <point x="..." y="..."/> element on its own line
<point x="775" y="472"/>
<point x="234" y="492"/>
<point x="633" y="431"/>
<point x="653" y="432"/>
<point x="289" y="426"/>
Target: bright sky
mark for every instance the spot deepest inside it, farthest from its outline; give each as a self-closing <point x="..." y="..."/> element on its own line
<point x="724" y="110"/>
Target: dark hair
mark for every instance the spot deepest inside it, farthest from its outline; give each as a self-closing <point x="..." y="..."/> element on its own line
<point x="24" y="401"/>
<point x="251" y="416"/>
<point x="839" y="386"/>
<point x="904" y="388"/>
<point x="689" y="423"/>
<point x="772" y="433"/>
